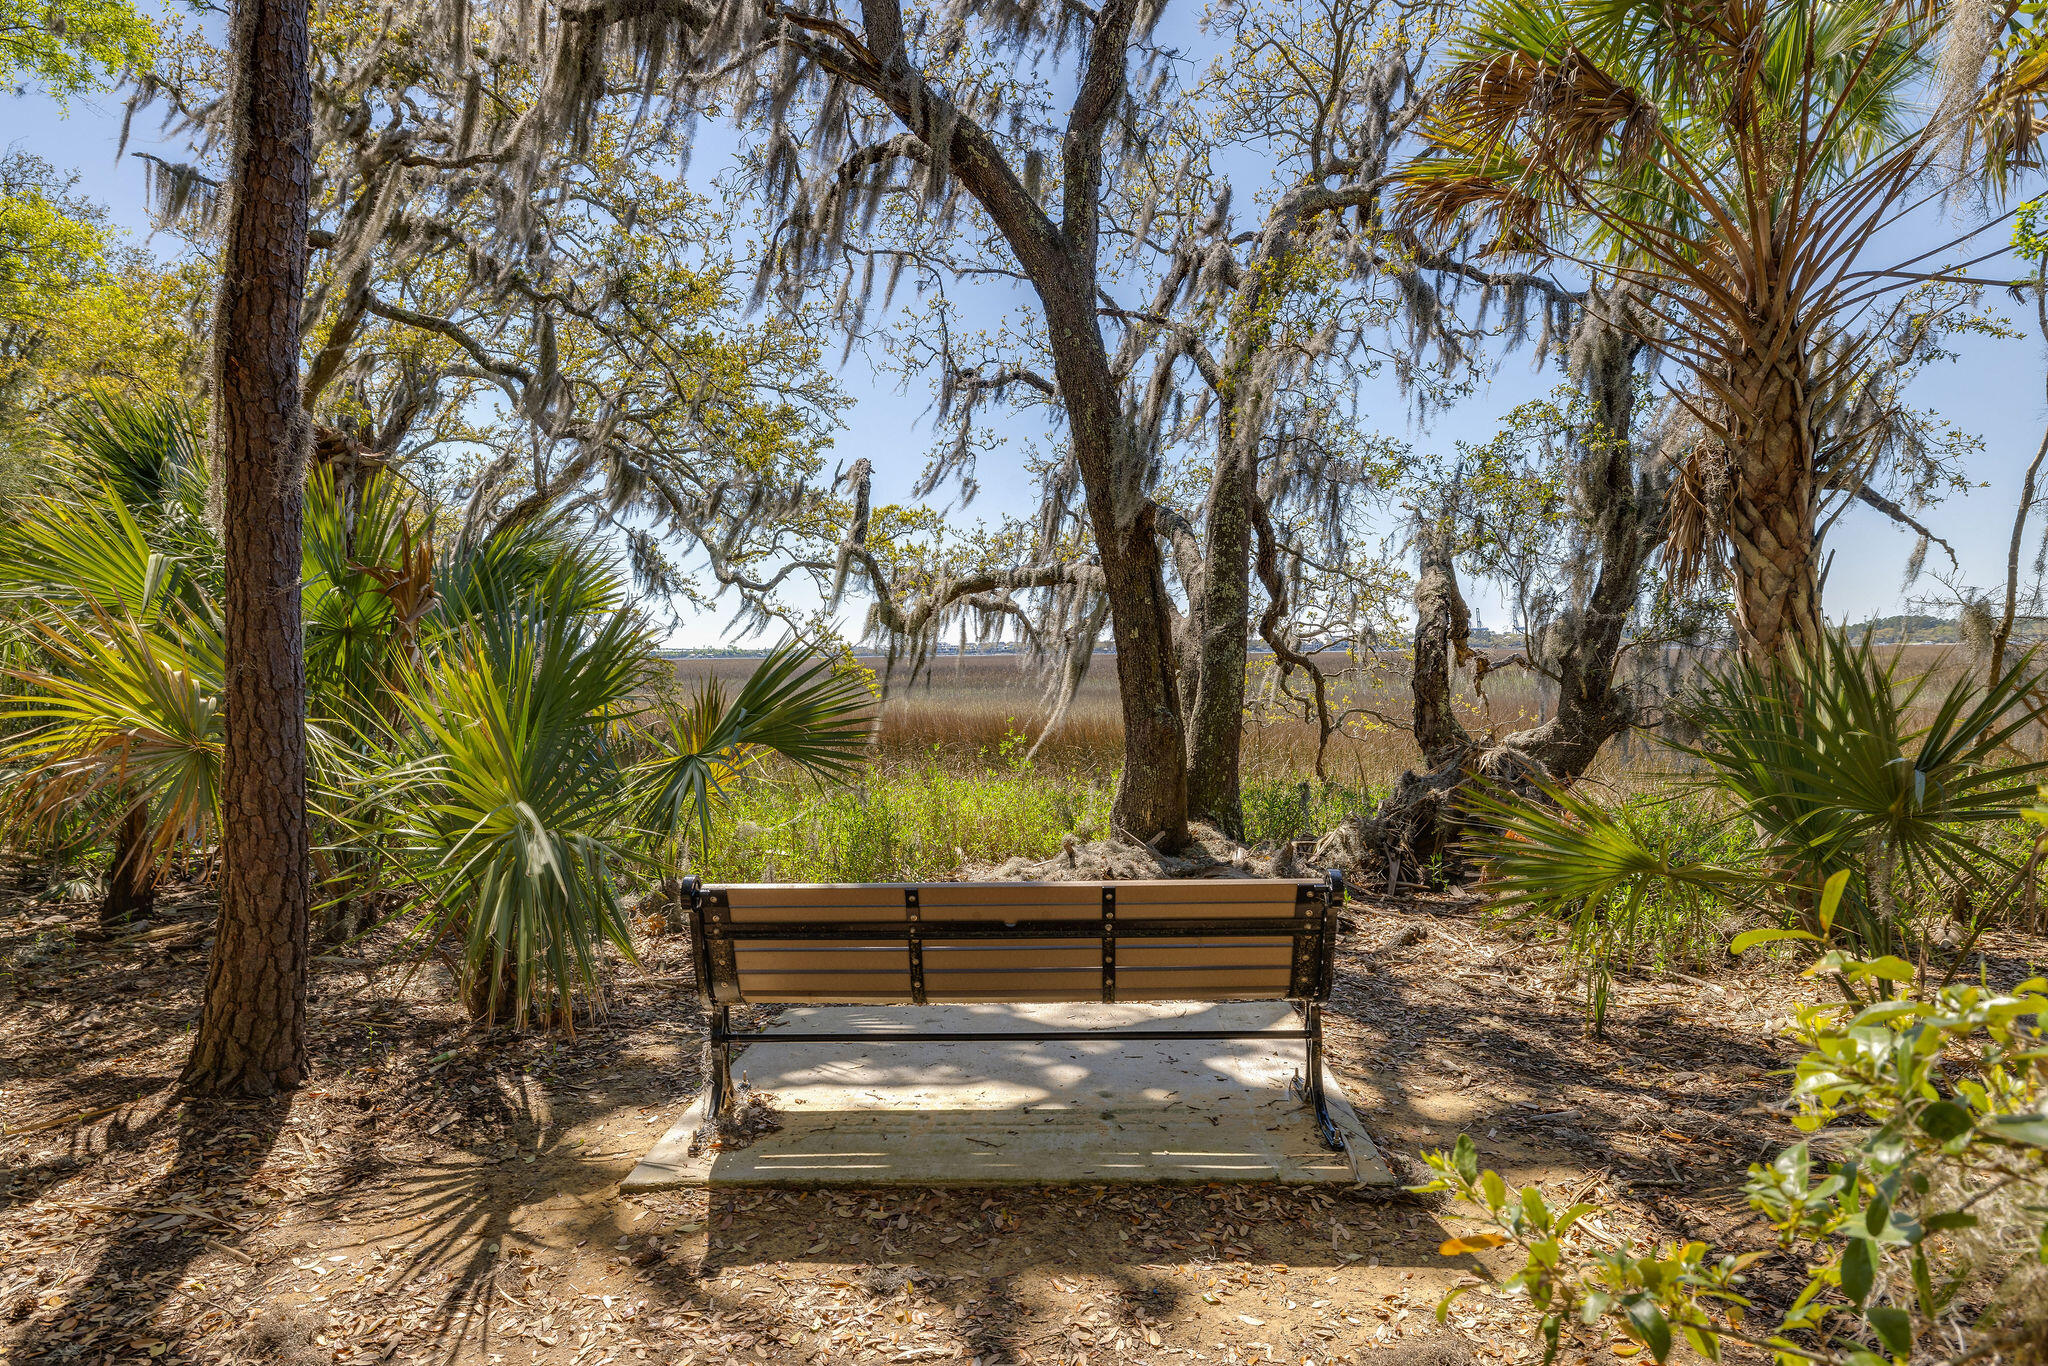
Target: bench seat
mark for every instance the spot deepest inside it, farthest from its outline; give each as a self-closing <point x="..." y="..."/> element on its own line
<point x="1233" y="939"/>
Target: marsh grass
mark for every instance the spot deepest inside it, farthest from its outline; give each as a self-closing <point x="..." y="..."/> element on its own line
<point x="931" y="820"/>
<point x="967" y="708"/>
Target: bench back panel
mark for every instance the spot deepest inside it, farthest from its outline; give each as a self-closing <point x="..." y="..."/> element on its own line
<point x="862" y="944"/>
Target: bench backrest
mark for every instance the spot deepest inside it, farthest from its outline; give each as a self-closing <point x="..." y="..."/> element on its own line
<point x="876" y="943"/>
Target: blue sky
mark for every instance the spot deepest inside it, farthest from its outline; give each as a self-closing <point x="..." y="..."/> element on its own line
<point x="1994" y="391"/>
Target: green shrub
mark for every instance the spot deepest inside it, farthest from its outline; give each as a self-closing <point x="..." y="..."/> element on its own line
<point x="1810" y="774"/>
<point x="1276" y="811"/>
<point x="1926" y="1241"/>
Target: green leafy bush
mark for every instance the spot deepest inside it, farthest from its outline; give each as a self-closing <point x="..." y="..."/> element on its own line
<point x="1926" y="1239"/>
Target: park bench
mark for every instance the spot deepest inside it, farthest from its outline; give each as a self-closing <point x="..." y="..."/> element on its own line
<point x="1226" y="939"/>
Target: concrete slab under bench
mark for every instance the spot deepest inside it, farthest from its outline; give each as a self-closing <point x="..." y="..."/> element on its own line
<point x="931" y="1113"/>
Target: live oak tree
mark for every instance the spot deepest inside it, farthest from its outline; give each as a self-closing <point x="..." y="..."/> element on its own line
<point x="1272" y="324"/>
<point x="1273" y="318"/>
<point x="251" y="1038"/>
<point x="928" y="146"/>
<point x="859" y="103"/>
<point x="1240" y="339"/>
<point x="528" y="331"/>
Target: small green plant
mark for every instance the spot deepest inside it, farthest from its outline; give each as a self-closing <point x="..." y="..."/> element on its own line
<point x="1927" y="1240"/>
<point x="1277" y="810"/>
<point x="1013" y="750"/>
<point x="1616" y="876"/>
<point x="1818" y="774"/>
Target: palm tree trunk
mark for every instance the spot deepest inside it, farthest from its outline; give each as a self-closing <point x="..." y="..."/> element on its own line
<point x="252" y="1029"/>
<point x="131" y="881"/>
<point x="1771" y="511"/>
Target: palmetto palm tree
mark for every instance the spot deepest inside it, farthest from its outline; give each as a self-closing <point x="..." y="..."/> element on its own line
<point x="479" y="716"/>
<point x="1839" y="766"/>
<point x="116" y="540"/>
<point x="1733" y="161"/>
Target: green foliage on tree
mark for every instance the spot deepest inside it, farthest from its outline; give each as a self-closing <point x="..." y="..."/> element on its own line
<point x="68" y="47"/>
<point x="78" y="308"/>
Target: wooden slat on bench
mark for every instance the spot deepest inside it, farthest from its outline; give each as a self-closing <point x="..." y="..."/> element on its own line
<point x="771" y="986"/>
<point x="851" y="955"/>
<point x="799" y="904"/>
<point x="1184" y="953"/>
<point x="1014" y="986"/>
<point x="950" y="894"/>
<point x="943" y="955"/>
<point x="1219" y="897"/>
<point x="1206" y="889"/>
<point x="1010" y="901"/>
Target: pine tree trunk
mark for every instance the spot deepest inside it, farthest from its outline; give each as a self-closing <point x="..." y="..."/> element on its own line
<point x="252" y="1029"/>
<point x="1771" y="511"/>
<point x="131" y="881"/>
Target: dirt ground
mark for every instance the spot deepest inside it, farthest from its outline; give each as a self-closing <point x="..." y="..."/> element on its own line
<point x="441" y="1193"/>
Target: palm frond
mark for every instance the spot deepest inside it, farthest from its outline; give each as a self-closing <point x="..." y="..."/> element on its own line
<point x="123" y="714"/>
<point x="514" y="812"/>
<point x="796" y="705"/>
<point x="1611" y="876"/>
<point x="146" y="450"/>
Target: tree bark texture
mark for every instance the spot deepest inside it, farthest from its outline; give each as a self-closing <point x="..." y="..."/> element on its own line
<point x="252" y="1030"/>
<point x="1586" y="644"/>
<point x="131" y="881"/>
<point x="1443" y="624"/>
<point x="1418" y="825"/>
<point x="1772" y="505"/>
<point x="1219" y="620"/>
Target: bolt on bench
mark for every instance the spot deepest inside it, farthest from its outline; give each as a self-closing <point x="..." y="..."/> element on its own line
<point x="1225" y="939"/>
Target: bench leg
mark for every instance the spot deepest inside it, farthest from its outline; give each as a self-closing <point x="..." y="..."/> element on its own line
<point x="1312" y="1088"/>
<point x="721" y="1063"/>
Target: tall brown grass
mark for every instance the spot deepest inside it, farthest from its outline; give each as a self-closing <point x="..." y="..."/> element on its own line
<point x="971" y="709"/>
<point x="968" y="710"/>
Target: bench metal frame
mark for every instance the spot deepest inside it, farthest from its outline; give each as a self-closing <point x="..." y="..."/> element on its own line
<point x="1313" y="928"/>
